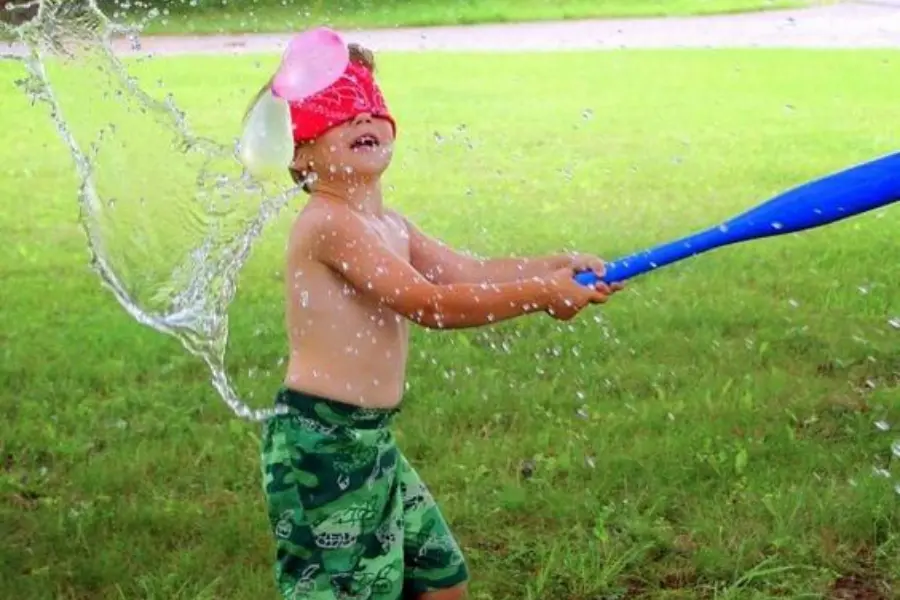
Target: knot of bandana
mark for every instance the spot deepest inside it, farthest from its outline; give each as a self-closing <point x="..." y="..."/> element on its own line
<point x="354" y="92"/>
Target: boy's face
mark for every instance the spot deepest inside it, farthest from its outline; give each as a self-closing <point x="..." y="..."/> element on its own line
<point x="361" y="147"/>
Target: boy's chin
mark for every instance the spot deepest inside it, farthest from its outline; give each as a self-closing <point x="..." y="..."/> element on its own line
<point x="370" y="168"/>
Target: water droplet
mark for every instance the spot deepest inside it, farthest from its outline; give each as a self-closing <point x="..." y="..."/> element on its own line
<point x="882" y="425"/>
<point x="590" y="462"/>
<point x="777" y="225"/>
<point x="438" y="138"/>
<point x="793" y="303"/>
<point x="880" y="472"/>
<point x="895" y="448"/>
<point x="587" y="114"/>
<point x="894" y="322"/>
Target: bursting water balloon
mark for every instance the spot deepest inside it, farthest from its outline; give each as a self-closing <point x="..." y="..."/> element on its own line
<point x="266" y="146"/>
<point x="312" y="61"/>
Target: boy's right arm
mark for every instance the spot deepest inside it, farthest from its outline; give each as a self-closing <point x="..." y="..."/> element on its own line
<point x="343" y="243"/>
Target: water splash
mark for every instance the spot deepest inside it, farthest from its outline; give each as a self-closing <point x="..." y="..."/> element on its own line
<point x="170" y="217"/>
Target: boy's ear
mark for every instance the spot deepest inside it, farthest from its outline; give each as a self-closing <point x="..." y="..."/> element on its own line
<point x="303" y="159"/>
<point x="297" y="161"/>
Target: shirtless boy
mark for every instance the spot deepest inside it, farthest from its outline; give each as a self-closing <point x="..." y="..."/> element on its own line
<point x="350" y="516"/>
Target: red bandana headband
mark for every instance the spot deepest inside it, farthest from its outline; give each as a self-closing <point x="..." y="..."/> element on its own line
<point x="354" y="92"/>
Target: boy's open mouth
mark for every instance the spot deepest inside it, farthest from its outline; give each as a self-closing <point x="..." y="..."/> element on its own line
<point x="365" y="142"/>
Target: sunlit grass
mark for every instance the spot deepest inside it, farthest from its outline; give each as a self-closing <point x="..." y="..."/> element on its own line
<point x="278" y="15"/>
<point x="726" y="441"/>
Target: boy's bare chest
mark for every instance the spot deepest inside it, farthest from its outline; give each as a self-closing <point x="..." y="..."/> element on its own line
<point x="393" y="234"/>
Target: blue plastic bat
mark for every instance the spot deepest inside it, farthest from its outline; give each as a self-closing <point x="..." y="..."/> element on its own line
<point x="838" y="196"/>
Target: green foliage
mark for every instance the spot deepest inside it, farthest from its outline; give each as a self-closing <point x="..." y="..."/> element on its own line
<point x="709" y="435"/>
<point x="218" y="16"/>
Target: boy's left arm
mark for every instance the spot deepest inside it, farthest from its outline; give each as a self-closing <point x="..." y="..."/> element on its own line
<point x="441" y="264"/>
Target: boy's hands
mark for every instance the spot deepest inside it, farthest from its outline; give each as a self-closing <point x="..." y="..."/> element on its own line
<point x="568" y="297"/>
<point x="585" y="262"/>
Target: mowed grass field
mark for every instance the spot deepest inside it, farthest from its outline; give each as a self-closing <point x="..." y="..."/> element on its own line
<point x="710" y="433"/>
<point x="206" y="16"/>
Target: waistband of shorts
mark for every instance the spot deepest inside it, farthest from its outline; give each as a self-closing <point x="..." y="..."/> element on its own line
<point x="332" y="412"/>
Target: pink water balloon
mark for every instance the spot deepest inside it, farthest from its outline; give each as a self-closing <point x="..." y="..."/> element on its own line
<point x="312" y="61"/>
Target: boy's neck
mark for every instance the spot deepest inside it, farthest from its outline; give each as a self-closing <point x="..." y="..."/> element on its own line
<point x="364" y="197"/>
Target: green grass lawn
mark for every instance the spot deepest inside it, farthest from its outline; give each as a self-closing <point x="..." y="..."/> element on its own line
<point x="276" y="15"/>
<point x="708" y="434"/>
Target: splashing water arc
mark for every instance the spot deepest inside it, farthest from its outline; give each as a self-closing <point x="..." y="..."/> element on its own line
<point x="168" y="248"/>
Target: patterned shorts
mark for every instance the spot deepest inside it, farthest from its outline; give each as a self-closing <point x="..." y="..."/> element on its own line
<point x="350" y="516"/>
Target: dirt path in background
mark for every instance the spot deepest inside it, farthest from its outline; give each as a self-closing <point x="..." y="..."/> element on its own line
<point x="873" y="24"/>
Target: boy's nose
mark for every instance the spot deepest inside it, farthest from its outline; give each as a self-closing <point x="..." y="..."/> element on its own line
<point x="362" y="118"/>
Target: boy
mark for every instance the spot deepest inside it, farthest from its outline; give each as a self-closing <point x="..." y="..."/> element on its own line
<point x="350" y="516"/>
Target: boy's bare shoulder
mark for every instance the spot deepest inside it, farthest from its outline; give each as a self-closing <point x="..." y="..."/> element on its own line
<point x="315" y="220"/>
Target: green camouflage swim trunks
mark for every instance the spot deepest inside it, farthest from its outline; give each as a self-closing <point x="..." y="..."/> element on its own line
<point x="350" y="516"/>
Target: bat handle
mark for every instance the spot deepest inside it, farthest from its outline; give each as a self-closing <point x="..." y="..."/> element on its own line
<point x="626" y="267"/>
<point x="588" y="277"/>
